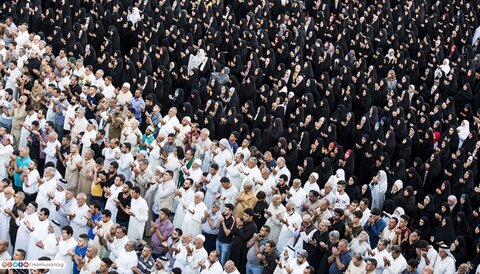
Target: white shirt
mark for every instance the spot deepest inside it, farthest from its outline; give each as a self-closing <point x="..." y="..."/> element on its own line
<point x="117" y="247"/>
<point x="125" y="261"/>
<point x="432" y="257"/>
<point x="91" y="265"/>
<point x="379" y="257"/>
<point x="444" y="266"/>
<point x="109" y="91"/>
<point x="398" y="265"/>
<point x="214" y="268"/>
<point x="342" y="201"/>
<point x="298" y="198"/>
<point x="170" y="122"/>
<point x="32" y="177"/>
<point x="198" y="255"/>
<point x="51" y="151"/>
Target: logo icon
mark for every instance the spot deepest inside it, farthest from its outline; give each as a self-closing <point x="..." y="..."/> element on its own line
<point x="9" y="264"/>
<point x="4" y="264"/>
<point x="25" y="264"/>
<point x="20" y="264"/>
<point x="15" y="264"/>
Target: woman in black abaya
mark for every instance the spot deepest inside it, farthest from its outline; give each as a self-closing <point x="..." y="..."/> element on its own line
<point x="443" y="233"/>
<point x="291" y="158"/>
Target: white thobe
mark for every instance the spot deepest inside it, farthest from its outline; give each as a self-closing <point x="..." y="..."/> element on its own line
<point x="126" y="159"/>
<point x="309" y="186"/>
<point x="125" y="261"/>
<point x="192" y="223"/>
<point x="228" y="195"/>
<point x="110" y="204"/>
<point x="220" y="158"/>
<point x="432" y="257"/>
<point x="5" y="219"/>
<point x="379" y="257"/>
<point x="79" y="222"/>
<point x="154" y="156"/>
<point x="233" y="173"/>
<point x="274" y="222"/>
<point x="117" y="247"/>
<point x="251" y="173"/>
<point x="265" y="185"/>
<point x="5" y="152"/>
<point x="104" y="230"/>
<point x="444" y="266"/>
<point x="62" y="255"/>
<point x="109" y="154"/>
<point x="211" y="189"/>
<point x="91" y="265"/>
<point x="283" y="171"/>
<point x="43" y="189"/>
<point x="184" y="201"/>
<point x="298" y="198"/>
<point x="297" y="269"/>
<point x="214" y="268"/>
<point x="51" y="152"/>
<point x="289" y="233"/>
<point x="58" y="196"/>
<point x="39" y="233"/>
<point x="50" y="247"/>
<point x="400" y="264"/>
<point x="23" y="234"/>
<point x="198" y="255"/>
<point x="136" y="224"/>
<point x="170" y="123"/>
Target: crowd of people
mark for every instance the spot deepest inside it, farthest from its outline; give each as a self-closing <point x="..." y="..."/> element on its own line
<point x="221" y="136"/>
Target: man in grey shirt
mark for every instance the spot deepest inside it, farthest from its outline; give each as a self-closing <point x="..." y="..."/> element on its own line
<point x="255" y="246"/>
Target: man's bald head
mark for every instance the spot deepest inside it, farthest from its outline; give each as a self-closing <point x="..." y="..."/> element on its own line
<point x="229" y="266"/>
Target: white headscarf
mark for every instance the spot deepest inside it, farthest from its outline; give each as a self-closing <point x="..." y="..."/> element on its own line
<point x="135" y="16"/>
<point x="463" y="132"/>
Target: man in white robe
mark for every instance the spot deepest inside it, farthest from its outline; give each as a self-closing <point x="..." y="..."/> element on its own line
<point x="7" y="205"/>
<point x="397" y="263"/>
<point x="296" y="195"/>
<point x="112" y="192"/>
<point x="183" y="197"/>
<point x="222" y="154"/>
<point x="23" y="233"/>
<point x="6" y="149"/>
<point x="196" y="255"/>
<point x="228" y="192"/>
<point x="212" y="265"/>
<point x="233" y="170"/>
<point x="101" y="230"/>
<point x="138" y="215"/>
<point x="45" y="186"/>
<point x="211" y="185"/>
<point x="49" y="245"/>
<point x="273" y="213"/>
<point x="57" y="198"/>
<point x="126" y="259"/>
<point x="38" y="232"/>
<point x="445" y="262"/>
<point x="117" y="244"/>
<point x="265" y="184"/>
<point x="192" y="222"/>
<point x="77" y="215"/>
<point x="291" y="223"/>
<point x="169" y="122"/>
<point x="66" y="244"/>
<point x="251" y="171"/>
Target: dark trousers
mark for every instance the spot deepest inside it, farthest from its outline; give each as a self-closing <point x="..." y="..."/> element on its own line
<point x="210" y="242"/>
<point x="30" y="198"/>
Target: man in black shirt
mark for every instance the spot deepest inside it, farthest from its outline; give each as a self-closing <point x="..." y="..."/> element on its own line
<point x="245" y="230"/>
<point x="225" y="234"/>
<point x="123" y="201"/>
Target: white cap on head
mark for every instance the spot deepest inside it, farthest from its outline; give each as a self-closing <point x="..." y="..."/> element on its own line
<point x="200" y="237"/>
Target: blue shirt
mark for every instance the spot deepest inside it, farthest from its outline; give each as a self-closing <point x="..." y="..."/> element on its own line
<point x="59" y="116"/>
<point x="374" y="231"/>
<point x="137" y="104"/>
<point x="95" y="218"/>
<point x="345" y="258"/>
<point x="81" y="252"/>
<point x="21" y="163"/>
<point x="206" y="226"/>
